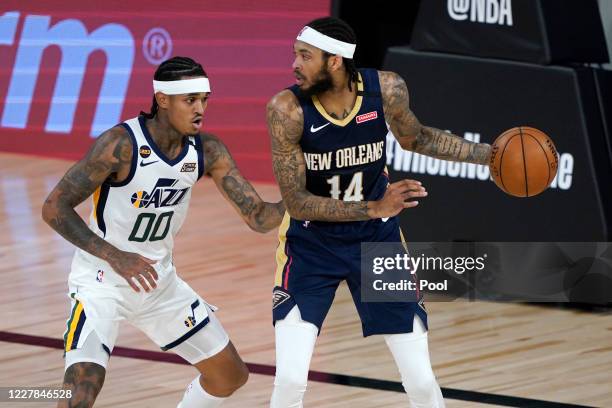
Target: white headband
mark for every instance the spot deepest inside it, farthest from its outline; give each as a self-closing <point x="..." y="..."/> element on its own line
<point x="183" y="86"/>
<point x="311" y="36"/>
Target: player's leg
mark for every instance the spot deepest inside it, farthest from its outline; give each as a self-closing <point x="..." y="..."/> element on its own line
<point x="404" y="325"/>
<point x="86" y="358"/>
<point x="295" y="340"/>
<point x="307" y="275"/>
<point x="221" y="369"/>
<point x="411" y="354"/>
<point x="85" y="372"/>
<point x="178" y="319"/>
<point x="406" y="337"/>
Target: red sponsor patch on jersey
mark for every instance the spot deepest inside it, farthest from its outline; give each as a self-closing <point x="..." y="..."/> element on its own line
<point x="366" y="116"/>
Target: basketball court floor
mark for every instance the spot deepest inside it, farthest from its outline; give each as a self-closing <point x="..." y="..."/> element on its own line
<point x="502" y="354"/>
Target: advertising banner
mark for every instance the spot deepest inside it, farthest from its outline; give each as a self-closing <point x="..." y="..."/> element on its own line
<point x="73" y="69"/>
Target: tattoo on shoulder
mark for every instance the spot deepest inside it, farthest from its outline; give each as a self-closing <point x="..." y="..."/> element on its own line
<point x="286" y="122"/>
<point x="395" y="92"/>
<point x="99" y="164"/>
<point x="214" y="150"/>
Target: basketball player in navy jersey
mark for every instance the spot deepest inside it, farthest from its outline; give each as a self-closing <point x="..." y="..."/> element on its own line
<point x="328" y="135"/>
<point x="140" y="174"/>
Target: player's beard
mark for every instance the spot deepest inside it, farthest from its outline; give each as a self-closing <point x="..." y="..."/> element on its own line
<point x="321" y="83"/>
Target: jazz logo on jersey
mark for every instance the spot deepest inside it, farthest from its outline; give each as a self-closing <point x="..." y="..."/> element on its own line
<point x="190" y="321"/>
<point x="163" y="195"/>
<point x="144" y="151"/>
<point x="100" y="275"/>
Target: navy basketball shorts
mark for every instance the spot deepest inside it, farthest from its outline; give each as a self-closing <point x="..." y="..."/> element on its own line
<point x="314" y="257"/>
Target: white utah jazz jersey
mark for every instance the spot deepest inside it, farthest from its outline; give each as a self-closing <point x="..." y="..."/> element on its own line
<point x="143" y="213"/>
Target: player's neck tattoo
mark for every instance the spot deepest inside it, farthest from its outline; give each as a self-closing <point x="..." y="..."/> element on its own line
<point x="345" y="113"/>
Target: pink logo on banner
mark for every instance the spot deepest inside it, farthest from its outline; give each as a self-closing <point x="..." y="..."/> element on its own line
<point x="366" y="116"/>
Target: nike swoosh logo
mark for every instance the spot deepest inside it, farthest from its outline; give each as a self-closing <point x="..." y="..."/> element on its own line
<point x="143" y="164"/>
<point x="316" y="129"/>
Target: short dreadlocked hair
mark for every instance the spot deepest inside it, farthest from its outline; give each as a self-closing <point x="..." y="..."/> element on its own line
<point x="174" y="69"/>
<point x="341" y="31"/>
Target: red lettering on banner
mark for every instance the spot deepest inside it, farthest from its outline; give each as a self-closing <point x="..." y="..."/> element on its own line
<point x="366" y="116"/>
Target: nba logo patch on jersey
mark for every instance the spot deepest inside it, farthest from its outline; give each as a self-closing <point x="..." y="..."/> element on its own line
<point x="100" y="275"/>
<point x="279" y="297"/>
<point x="366" y="117"/>
<point x="144" y="151"/>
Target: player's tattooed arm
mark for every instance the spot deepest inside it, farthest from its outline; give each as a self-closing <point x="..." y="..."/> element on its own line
<point x="259" y="215"/>
<point x="285" y="124"/>
<point x="110" y="152"/>
<point x="412" y="135"/>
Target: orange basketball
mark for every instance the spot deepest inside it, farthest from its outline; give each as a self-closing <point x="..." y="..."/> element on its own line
<point x="523" y="161"/>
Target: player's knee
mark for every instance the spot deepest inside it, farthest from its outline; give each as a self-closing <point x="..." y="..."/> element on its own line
<point x="241" y="377"/>
<point x="422" y="387"/>
<point x="226" y="384"/>
<point x="85" y="381"/>
<point x="291" y="378"/>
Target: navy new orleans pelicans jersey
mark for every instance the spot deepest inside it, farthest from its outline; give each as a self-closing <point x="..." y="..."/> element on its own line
<point x="345" y="159"/>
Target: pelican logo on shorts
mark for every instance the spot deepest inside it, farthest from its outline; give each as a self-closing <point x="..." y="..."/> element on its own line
<point x="100" y="275"/>
<point x="191" y="321"/>
<point x="422" y="304"/>
<point x="366" y="117"/>
<point x="279" y="297"/>
<point x="144" y="151"/>
<point x="163" y="195"/>
<point x="188" y="168"/>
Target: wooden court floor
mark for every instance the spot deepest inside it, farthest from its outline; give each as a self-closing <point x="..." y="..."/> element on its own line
<point x="507" y="349"/>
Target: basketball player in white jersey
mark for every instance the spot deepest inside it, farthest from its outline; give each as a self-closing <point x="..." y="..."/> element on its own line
<point x="140" y="174"/>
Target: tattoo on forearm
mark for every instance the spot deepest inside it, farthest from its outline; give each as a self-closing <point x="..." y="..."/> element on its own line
<point x="285" y="124"/>
<point x="443" y="145"/>
<point x="240" y="192"/>
<point x="422" y="139"/>
<point x="85" y="380"/>
<point x="259" y="215"/>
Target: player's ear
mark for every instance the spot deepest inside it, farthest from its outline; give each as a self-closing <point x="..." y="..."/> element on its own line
<point x="335" y="62"/>
<point x="162" y="100"/>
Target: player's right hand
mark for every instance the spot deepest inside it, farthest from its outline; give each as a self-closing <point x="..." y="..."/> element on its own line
<point x="396" y="198"/>
<point x="133" y="267"/>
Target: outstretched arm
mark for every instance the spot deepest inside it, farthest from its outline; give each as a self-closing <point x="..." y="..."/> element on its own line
<point x="259" y="215"/>
<point x="412" y="135"/>
<point x="285" y="123"/>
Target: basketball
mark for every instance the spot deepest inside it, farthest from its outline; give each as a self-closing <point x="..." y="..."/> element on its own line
<point x="523" y="162"/>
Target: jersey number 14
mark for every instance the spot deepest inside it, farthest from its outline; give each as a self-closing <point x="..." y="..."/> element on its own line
<point x="352" y="193"/>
